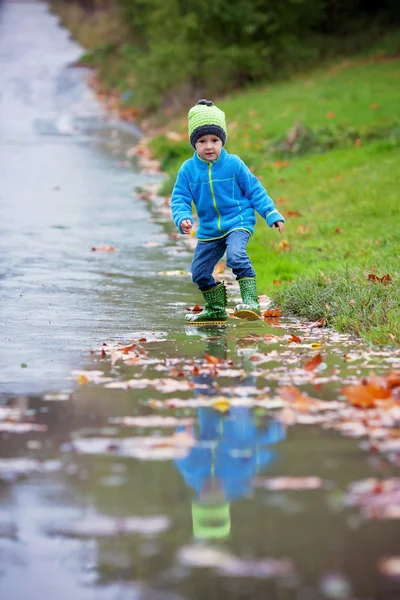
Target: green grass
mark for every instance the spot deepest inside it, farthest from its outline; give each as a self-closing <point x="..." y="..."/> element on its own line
<point x="348" y="198"/>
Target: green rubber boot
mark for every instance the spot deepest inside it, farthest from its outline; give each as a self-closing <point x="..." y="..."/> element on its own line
<point x="249" y="308"/>
<point x="214" y="312"/>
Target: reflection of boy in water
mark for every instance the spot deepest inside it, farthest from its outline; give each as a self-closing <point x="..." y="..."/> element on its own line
<point x="230" y="450"/>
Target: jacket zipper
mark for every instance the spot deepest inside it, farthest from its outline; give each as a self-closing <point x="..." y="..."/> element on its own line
<point x="213" y="196"/>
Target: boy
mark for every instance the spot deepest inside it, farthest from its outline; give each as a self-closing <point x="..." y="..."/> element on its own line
<point x="225" y="194"/>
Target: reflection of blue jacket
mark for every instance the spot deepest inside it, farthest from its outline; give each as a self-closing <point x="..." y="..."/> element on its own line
<point x="231" y="449"/>
<point x="225" y="193"/>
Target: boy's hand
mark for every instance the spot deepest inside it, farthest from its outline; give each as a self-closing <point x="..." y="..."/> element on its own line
<point x="186" y="226"/>
<point x="278" y="225"/>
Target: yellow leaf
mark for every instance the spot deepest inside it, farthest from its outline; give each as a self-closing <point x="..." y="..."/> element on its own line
<point x="221" y="405"/>
<point x="82" y="380"/>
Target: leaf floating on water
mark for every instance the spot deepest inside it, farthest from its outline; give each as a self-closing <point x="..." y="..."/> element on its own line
<point x="295" y="339"/>
<point x="221" y="405"/>
<point x="313" y="363"/>
<point x="365" y="395"/>
<point x="103" y="249"/>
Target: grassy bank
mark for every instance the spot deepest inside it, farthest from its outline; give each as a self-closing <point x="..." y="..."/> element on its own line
<point x="341" y="200"/>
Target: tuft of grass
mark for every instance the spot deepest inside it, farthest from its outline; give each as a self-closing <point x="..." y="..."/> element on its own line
<point x="349" y="302"/>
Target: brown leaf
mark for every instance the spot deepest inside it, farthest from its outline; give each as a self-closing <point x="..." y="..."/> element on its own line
<point x="293" y="213"/>
<point x="313" y="363"/>
<point x="330" y="115"/>
<point x="272" y="313"/>
<point x="318" y="324"/>
<point x="365" y="396"/>
<point x="277" y="282"/>
<point x="385" y="280"/>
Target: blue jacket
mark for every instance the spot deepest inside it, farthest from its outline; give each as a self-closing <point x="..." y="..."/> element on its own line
<point x="225" y="194"/>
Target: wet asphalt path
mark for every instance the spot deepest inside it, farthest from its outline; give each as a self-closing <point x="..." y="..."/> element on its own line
<point x="65" y="187"/>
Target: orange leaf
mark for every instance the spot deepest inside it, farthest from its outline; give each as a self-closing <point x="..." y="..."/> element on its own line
<point x="365" y="396"/>
<point x="277" y="282"/>
<point x="212" y="360"/>
<point x="338" y="230"/>
<point x="103" y="248"/>
<point x="295" y="339"/>
<point x="313" y="363"/>
<point x="273" y="312"/>
<point x="297" y="400"/>
<point x="281" y="164"/>
<point x="373" y="106"/>
<point x="293" y="213"/>
<point x="330" y="115"/>
<point x="196" y="308"/>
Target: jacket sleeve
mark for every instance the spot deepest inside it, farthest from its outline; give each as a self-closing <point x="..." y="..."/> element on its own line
<point x="257" y="194"/>
<point x="181" y="200"/>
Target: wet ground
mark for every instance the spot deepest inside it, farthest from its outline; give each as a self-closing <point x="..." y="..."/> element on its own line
<point x="141" y="458"/>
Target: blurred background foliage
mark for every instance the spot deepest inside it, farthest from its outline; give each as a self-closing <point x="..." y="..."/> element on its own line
<point x="168" y="53"/>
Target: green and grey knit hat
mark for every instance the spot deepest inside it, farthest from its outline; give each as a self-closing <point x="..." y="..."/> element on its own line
<point x="206" y="119"/>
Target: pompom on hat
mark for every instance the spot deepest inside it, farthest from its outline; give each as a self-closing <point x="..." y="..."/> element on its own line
<point x="206" y="119"/>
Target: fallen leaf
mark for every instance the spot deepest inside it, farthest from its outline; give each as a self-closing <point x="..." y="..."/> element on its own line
<point x="103" y="248"/>
<point x="365" y="396"/>
<point x="221" y="405"/>
<point x="330" y="115"/>
<point x="385" y="280"/>
<point x="269" y="338"/>
<point x="212" y="360"/>
<point x="272" y="313"/>
<point x="293" y="213"/>
<point x="318" y="324"/>
<point x="295" y="339"/>
<point x="196" y="309"/>
<point x="277" y="282"/>
<point x="82" y="380"/>
<point x="313" y="363"/>
<point x="297" y="400"/>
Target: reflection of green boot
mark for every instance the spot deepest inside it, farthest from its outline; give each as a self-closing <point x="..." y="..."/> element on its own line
<point x="211" y="522"/>
<point x="249" y="308"/>
<point x="214" y="312"/>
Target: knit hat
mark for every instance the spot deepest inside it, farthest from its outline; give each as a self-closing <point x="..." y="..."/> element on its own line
<point x="206" y="119"/>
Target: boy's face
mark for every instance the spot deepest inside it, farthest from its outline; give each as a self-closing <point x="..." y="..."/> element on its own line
<point x="209" y="147"/>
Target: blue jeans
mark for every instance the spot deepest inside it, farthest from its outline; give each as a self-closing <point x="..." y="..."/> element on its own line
<point x="207" y="254"/>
